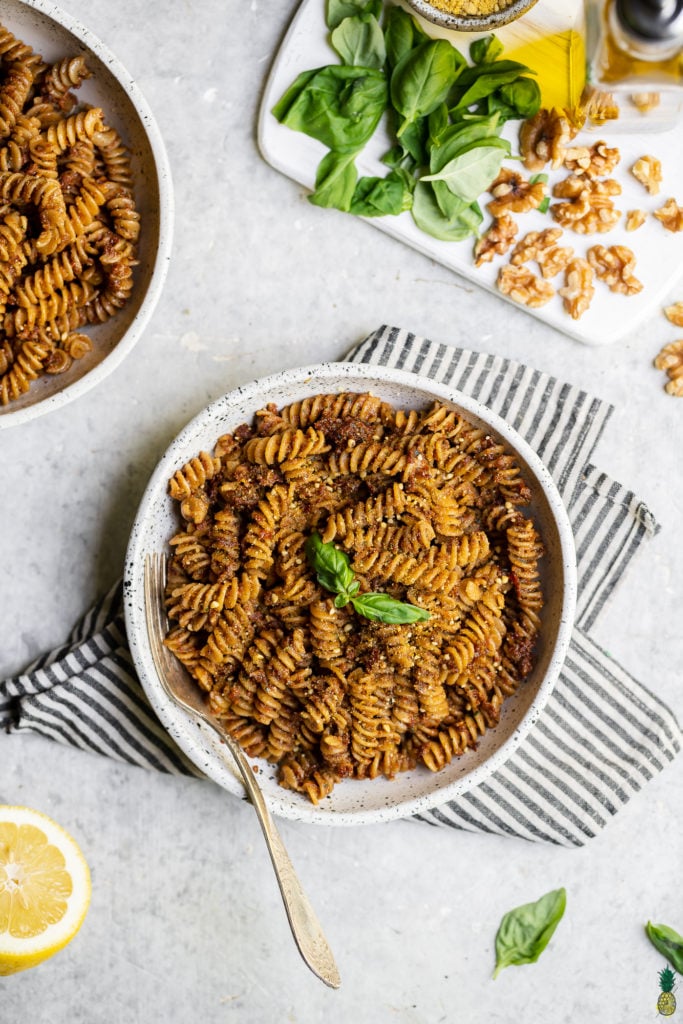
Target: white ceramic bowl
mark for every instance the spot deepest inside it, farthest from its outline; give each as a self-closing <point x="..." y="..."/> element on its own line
<point x="355" y="801"/>
<point x="55" y="34"/>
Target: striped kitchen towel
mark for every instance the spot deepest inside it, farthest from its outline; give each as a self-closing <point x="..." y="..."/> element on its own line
<point x="602" y="734"/>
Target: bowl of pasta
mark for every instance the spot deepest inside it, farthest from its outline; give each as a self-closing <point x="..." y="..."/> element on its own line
<point x="371" y="577"/>
<point x="87" y="211"/>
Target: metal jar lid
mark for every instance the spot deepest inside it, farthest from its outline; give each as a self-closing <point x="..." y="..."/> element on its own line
<point x="652" y="21"/>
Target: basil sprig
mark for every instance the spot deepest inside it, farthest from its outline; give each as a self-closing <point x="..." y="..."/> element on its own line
<point x="525" y="932"/>
<point x="668" y="942"/>
<point x="333" y="571"/>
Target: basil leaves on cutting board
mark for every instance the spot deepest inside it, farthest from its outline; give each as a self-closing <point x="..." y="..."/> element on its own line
<point x="444" y="115"/>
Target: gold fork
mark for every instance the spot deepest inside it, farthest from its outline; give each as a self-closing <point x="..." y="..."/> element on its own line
<point x="180" y="688"/>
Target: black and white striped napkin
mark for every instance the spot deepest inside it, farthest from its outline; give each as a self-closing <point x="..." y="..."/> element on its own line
<point x="602" y="734"/>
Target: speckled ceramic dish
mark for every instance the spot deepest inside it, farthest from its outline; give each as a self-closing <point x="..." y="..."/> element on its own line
<point x="55" y="34"/>
<point x="356" y="802"/>
<point x="472" y="22"/>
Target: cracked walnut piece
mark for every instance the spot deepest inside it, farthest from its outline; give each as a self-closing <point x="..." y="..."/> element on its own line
<point x="524" y="287"/>
<point x="615" y="266"/>
<point x="670" y="215"/>
<point x="589" y="208"/>
<point x="496" y="241"/>
<point x="635" y="219"/>
<point x="674" y="313"/>
<point x="512" y="191"/>
<point x="594" y="161"/>
<point x="542" y="246"/>
<point x="578" y="289"/>
<point x="544" y="137"/>
<point x="648" y="171"/>
<point x="670" y="359"/>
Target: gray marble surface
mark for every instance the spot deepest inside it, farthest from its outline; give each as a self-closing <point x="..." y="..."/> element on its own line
<point x="186" y="924"/>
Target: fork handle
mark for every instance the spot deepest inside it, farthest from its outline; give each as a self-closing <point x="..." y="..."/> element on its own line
<point x="303" y="922"/>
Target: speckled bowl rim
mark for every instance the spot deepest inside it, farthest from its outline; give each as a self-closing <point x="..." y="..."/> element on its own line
<point x="166" y="216"/>
<point x="186" y="733"/>
<point x="488" y="23"/>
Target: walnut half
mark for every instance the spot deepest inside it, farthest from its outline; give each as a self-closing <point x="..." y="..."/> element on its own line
<point x="542" y="247"/>
<point x="648" y="171"/>
<point x="524" y="287"/>
<point x="674" y="313"/>
<point x="670" y="215"/>
<point x="496" y="241"/>
<point x="544" y="137"/>
<point x="670" y="358"/>
<point x="589" y="207"/>
<point x="615" y="266"/>
<point x="578" y="288"/>
<point x="594" y="161"/>
<point x="512" y="192"/>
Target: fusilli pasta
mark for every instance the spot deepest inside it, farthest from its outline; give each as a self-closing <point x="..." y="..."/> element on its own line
<point x="429" y="510"/>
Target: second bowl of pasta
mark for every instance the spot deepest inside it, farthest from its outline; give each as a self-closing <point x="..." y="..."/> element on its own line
<point x="371" y="577"/>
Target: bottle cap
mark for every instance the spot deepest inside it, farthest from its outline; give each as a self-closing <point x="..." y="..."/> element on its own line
<point x="652" y="21"/>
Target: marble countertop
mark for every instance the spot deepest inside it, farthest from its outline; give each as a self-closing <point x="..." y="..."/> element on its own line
<point x="186" y="923"/>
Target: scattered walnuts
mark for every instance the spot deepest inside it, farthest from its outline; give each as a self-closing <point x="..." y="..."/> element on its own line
<point x="670" y="215"/>
<point x="594" y="161"/>
<point x="578" y="289"/>
<point x="589" y="207"/>
<point x="512" y="191"/>
<point x="542" y="246"/>
<point x="524" y="287"/>
<point x="615" y="266"/>
<point x="635" y="219"/>
<point x="674" y="313"/>
<point x="543" y="138"/>
<point x="496" y="241"/>
<point x="648" y="171"/>
<point x="670" y="358"/>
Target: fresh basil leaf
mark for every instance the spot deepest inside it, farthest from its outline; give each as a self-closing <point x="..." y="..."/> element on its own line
<point x="668" y="942"/>
<point x="479" y="82"/>
<point x="331" y="566"/>
<point x="431" y="218"/>
<point x="423" y="79"/>
<point x="523" y="95"/>
<point x="382" y="608"/>
<point x="335" y="181"/>
<point x="459" y="137"/>
<point x="525" y="932"/>
<point x="470" y="173"/>
<point x="396" y="157"/>
<point x="359" y="41"/>
<point x="338" y="105"/>
<point x="288" y="98"/>
<point x="414" y="139"/>
<point x="337" y="10"/>
<point x="544" y="205"/>
<point x="437" y="124"/>
<point x="377" y="197"/>
<point x="401" y="34"/>
<point x="485" y="49"/>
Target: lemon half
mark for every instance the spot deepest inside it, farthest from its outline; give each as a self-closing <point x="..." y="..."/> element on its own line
<point x="44" y="888"/>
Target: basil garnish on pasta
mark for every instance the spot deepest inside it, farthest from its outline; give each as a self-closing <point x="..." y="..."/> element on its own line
<point x="333" y="571"/>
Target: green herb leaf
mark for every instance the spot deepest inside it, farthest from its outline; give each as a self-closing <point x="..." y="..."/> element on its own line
<point x="335" y="181"/>
<point x="431" y="217"/>
<point x="525" y="932"/>
<point x="359" y="41"/>
<point x="478" y="82"/>
<point x="377" y="197"/>
<point x="668" y="942"/>
<point x="486" y="49"/>
<point x="457" y="138"/>
<point x="331" y="566"/>
<point x="382" y="608"/>
<point x="470" y="173"/>
<point x="337" y="10"/>
<point x="422" y="80"/>
<point x="338" y="105"/>
<point x="523" y="95"/>
<point x="401" y="34"/>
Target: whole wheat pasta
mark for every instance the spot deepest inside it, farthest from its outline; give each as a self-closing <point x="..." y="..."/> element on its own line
<point x="318" y="689"/>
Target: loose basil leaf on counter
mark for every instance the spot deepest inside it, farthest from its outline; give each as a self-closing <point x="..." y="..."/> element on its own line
<point x="335" y="181"/>
<point x="423" y="79"/>
<point x="525" y="932"/>
<point x="337" y="10"/>
<point x="668" y="942"/>
<point x="485" y="50"/>
<point x="359" y="41"/>
<point x="338" y="105"/>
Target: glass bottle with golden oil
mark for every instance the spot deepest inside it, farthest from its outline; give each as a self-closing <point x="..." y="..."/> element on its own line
<point x="634" y="64"/>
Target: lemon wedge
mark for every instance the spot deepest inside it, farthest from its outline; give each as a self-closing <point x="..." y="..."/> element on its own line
<point x="44" y="888"/>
